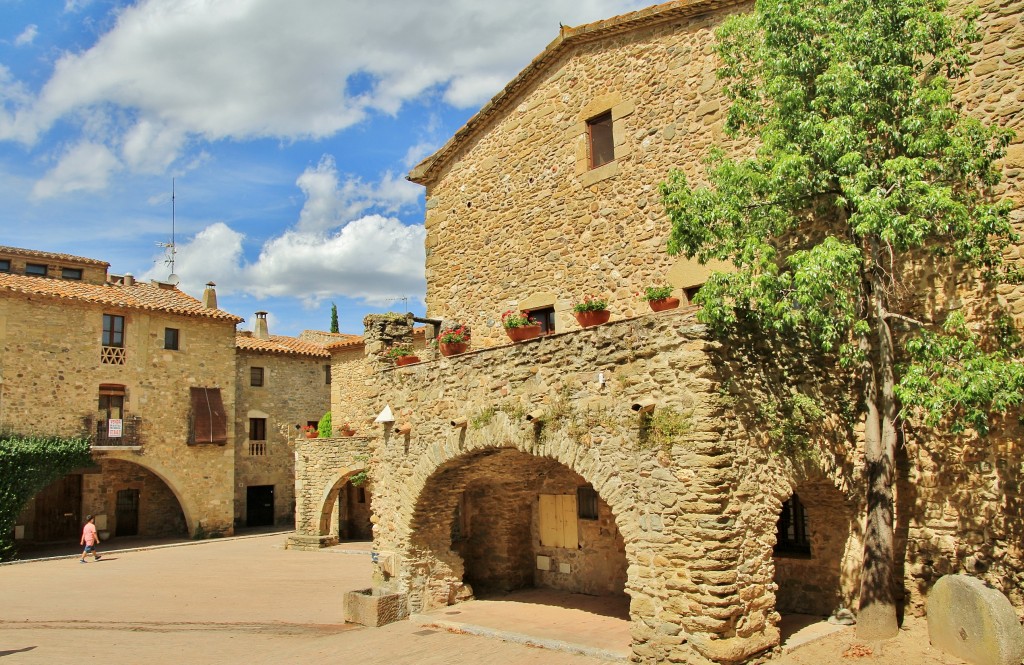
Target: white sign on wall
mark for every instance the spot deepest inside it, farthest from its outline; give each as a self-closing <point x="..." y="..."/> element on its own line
<point x="114" y="428"/>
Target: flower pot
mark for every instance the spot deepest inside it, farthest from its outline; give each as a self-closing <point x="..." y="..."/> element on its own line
<point x="523" y="333"/>
<point x="451" y="348"/>
<point x="312" y="435"/>
<point x="348" y="432"/>
<point x="406" y="360"/>
<point x="662" y="304"/>
<point x="593" y="318"/>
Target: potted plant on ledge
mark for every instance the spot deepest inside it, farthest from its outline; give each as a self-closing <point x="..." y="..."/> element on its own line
<point x="520" y="326"/>
<point x="453" y="340"/>
<point x="402" y="354"/>
<point x="660" y="298"/>
<point x="346" y="430"/>
<point x="310" y="431"/>
<point x="591" y="311"/>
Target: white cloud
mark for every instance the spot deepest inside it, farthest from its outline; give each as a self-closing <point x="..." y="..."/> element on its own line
<point x="27" y="35"/>
<point x="331" y="203"/>
<point x="243" y="69"/>
<point x="333" y="250"/>
<point x="85" y="167"/>
<point x="150" y="147"/>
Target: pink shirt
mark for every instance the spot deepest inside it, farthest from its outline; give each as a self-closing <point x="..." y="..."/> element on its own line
<point x="89" y="534"/>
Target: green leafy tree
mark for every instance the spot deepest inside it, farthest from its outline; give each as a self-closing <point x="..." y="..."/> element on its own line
<point x="863" y="166"/>
<point x="27" y="465"/>
<point x="334" y="318"/>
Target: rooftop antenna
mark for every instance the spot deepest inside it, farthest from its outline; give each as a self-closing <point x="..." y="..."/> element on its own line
<point x="170" y="246"/>
<point x="404" y="300"/>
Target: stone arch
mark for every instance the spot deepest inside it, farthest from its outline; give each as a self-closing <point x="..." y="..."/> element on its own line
<point x="329" y="499"/>
<point x="436" y="564"/>
<point x="172" y="484"/>
<point x="824" y="577"/>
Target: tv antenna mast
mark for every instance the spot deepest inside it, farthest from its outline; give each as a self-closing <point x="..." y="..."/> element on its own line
<point x="170" y="246"/>
<point x="404" y="300"/>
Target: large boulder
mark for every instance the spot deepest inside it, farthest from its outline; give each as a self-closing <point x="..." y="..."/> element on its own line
<point x="974" y="622"/>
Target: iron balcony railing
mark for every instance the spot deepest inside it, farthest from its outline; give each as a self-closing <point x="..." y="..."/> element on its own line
<point x="131" y="432"/>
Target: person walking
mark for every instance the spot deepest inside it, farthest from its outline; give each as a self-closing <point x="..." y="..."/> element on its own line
<point x="90" y="539"/>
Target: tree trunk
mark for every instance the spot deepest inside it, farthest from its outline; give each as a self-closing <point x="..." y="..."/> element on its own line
<point x="876" y="619"/>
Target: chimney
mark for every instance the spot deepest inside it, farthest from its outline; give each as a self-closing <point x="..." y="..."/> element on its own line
<point x="129" y="279"/>
<point x="260" y="329"/>
<point x="210" y="296"/>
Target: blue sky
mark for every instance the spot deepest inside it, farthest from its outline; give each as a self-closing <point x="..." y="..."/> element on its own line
<point x="287" y="128"/>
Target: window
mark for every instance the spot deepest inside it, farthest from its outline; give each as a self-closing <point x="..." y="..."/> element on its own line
<point x="599" y="138"/>
<point x="327" y="374"/>
<point x="546" y="316"/>
<point x="586" y="503"/>
<point x="792" y="529"/>
<point x="361" y="495"/>
<point x="691" y="293"/>
<point x="171" y="339"/>
<point x="557" y="521"/>
<point x="208" y="421"/>
<point x="71" y="273"/>
<point x="258" y="429"/>
<point x="111" y="401"/>
<point x="37" y="269"/>
<point x="112" y="352"/>
<point x="5" y="265"/>
<point x="255" y="376"/>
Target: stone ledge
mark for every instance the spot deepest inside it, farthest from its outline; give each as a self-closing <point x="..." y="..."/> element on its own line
<point x="375" y="607"/>
<point x="310" y="543"/>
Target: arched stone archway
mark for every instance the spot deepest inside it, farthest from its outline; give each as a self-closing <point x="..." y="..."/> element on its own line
<point x="139" y="501"/>
<point x="498" y="519"/>
<point x="167" y="479"/>
<point x="345" y="508"/>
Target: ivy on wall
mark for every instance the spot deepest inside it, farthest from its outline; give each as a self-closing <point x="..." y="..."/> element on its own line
<point x="27" y="465"/>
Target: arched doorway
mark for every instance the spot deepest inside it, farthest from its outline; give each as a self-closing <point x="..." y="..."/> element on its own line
<point x="126" y="499"/>
<point x="498" y="519"/>
<point x="346" y="509"/>
<point x="811" y="555"/>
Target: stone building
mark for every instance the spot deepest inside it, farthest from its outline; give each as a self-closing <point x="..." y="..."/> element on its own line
<point x="283" y="384"/>
<point x="637" y="459"/>
<point x="143" y="368"/>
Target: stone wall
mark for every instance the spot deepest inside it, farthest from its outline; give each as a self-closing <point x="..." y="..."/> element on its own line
<point x="515" y="218"/>
<point x="323" y="467"/>
<point x="294" y="393"/>
<point x="51" y="372"/>
<point x="693" y="519"/>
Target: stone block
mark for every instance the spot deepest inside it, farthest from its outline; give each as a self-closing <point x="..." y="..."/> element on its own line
<point x="375" y="607"/>
<point x="969" y="620"/>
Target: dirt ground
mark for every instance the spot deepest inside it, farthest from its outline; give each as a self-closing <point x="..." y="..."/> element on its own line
<point x="251" y="601"/>
<point x="910" y="647"/>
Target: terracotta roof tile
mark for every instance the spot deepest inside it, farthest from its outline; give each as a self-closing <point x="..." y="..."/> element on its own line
<point x="141" y="295"/>
<point x="37" y="254"/>
<point x="281" y="344"/>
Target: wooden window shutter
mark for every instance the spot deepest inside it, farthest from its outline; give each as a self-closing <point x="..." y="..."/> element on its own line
<point x="209" y="420"/>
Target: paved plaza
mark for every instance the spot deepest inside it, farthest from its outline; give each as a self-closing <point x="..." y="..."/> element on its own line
<point x="248" y="600"/>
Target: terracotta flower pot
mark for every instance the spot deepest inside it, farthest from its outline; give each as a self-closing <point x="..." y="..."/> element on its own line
<point x="662" y="304"/>
<point x="588" y="319"/>
<point x="451" y="348"/>
<point x="312" y="435"/>
<point x="406" y="360"/>
<point x="523" y="333"/>
<point x="348" y="432"/>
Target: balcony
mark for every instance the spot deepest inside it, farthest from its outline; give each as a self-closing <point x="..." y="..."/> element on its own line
<point x="130" y="435"/>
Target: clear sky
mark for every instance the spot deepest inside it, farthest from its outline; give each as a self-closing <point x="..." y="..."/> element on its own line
<point x="287" y="127"/>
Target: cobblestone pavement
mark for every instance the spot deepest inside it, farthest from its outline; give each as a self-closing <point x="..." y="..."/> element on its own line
<point x="244" y="600"/>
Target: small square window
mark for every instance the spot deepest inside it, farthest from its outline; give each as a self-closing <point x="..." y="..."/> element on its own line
<point x="599" y="136"/>
<point x="791" y="530"/>
<point x="5" y="265"/>
<point x="691" y="293"/>
<point x="257" y="429"/>
<point x="71" y="273"/>
<point x="586" y="503"/>
<point x="35" y="269"/>
<point x="546" y="317"/>
<point x="113" y="330"/>
<point x="255" y="376"/>
<point x="171" y="339"/>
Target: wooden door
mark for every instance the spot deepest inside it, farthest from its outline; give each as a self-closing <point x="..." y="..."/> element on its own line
<point x="59" y="511"/>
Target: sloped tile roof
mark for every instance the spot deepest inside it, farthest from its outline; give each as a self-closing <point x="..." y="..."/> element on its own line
<point x="37" y="254"/>
<point x="141" y="295"/>
<point x="568" y="38"/>
<point x="281" y="344"/>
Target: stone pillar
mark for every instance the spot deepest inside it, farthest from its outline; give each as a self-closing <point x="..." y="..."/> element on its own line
<point x="381" y="332"/>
